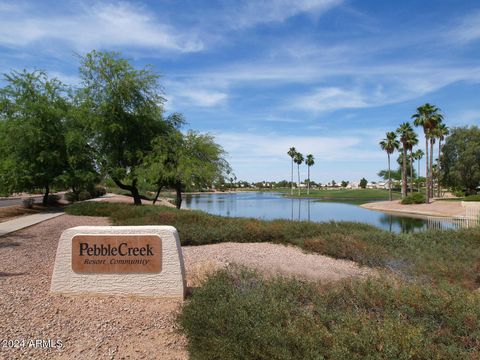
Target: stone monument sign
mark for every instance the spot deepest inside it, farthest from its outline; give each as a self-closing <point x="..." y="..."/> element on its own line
<point x="119" y="260"/>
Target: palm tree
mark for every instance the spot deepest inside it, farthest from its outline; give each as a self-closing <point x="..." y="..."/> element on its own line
<point x="418" y="155"/>
<point x="390" y="144"/>
<point x="440" y="132"/>
<point x="299" y="161"/>
<point x="412" y="141"/>
<point x="405" y="131"/>
<point x="292" y="153"/>
<point x="309" y="161"/>
<point x="427" y="116"/>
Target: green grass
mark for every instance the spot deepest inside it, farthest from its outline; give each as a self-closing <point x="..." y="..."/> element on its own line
<point x="342" y="194"/>
<point x="238" y="314"/>
<point x="434" y="256"/>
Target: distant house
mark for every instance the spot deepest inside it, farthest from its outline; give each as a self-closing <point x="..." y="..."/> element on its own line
<point x="353" y="185"/>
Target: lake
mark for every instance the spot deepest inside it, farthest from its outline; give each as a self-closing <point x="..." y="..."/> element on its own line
<point x="268" y="206"/>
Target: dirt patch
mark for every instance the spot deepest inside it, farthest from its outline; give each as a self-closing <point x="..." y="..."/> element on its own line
<point x="14" y="211"/>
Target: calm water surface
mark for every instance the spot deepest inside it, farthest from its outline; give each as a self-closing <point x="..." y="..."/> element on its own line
<point x="267" y="206"/>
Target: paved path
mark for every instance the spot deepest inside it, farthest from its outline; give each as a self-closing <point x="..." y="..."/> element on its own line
<point x="21" y="222"/>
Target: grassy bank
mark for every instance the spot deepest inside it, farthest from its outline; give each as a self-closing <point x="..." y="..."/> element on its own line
<point x="359" y="195"/>
<point x="257" y="318"/>
<point x="433" y="256"/>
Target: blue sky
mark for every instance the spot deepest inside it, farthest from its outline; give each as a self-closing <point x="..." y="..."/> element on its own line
<point x="329" y="77"/>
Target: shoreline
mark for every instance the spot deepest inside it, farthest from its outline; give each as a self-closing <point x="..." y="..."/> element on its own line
<point x="437" y="208"/>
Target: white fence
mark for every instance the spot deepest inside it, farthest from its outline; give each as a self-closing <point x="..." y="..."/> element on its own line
<point x="442" y="223"/>
<point x="471" y="218"/>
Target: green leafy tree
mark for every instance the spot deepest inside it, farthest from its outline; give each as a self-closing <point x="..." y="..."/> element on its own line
<point x="363" y="183"/>
<point x="201" y="162"/>
<point x="428" y="117"/>
<point x="185" y="161"/>
<point x="80" y="173"/>
<point x="299" y="161"/>
<point x="32" y="143"/>
<point x="460" y="161"/>
<point x="309" y="161"/>
<point x="126" y="115"/>
<point x="344" y="183"/>
<point x="292" y="152"/>
<point x="389" y="145"/>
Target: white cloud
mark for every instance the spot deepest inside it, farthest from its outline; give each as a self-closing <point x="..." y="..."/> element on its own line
<point x="254" y="12"/>
<point x="205" y="98"/>
<point x="100" y="25"/>
<point x="332" y="98"/>
<point x="196" y="93"/>
<point x="468" y="29"/>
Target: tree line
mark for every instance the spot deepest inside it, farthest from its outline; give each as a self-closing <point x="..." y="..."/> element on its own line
<point x="112" y="125"/>
<point x="456" y="165"/>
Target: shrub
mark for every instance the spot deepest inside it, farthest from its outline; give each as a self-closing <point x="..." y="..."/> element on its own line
<point x="71" y="196"/>
<point x="84" y="195"/>
<point x="98" y="191"/>
<point x="28" y="203"/>
<point x="472" y="198"/>
<point x="53" y="199"/>
<point x="278" y="318"/>
<point x="415" y="198"/>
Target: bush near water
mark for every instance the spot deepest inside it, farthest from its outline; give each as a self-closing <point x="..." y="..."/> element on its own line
<point x="415" y="198"/>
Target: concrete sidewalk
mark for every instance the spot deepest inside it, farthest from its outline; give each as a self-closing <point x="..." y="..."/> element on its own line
<point x="22" y="222"/>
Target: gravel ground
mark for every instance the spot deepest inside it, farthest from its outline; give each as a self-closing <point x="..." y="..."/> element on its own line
<point x="119" y="327"/>
<point x="268" y="258"/>
<point x="89" y="327"/>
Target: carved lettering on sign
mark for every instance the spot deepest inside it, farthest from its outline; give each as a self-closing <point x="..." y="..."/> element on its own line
<point x="116" y="254"/>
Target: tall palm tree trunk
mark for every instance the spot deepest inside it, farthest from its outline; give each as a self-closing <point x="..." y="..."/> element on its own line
<point x="438" y="167"/>
<point x="308" y="185"/>
<point x="404" y="172"/>
<point x="389" y="179"/>
<point x="291" y="182"/>
<point x="418" y="174"/>
<point x="431" y="168"/>
<point x="411" y="170"/>
<point x="427" y="174"/>
<point x="298" y="170"/>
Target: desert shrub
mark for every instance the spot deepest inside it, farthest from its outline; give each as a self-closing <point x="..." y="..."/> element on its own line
<point x="53" y="199"/>
<point x="98" y="191"/>
<point x="278" y="318"/>
<point x="28" y="203"/>
<point x="472" y="198"/>
<point x="71" y="196"/>
<point x="415" y="198"/>
<point x="84" y="195"/>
